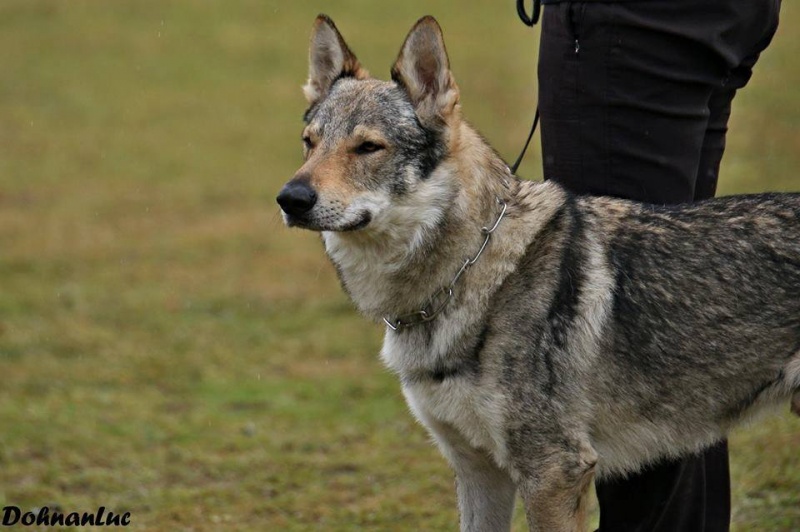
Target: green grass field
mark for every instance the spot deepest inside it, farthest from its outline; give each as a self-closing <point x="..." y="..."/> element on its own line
<point x="168" y="348"/>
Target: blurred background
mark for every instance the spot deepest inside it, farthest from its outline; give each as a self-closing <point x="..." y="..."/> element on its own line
<point x="168" y="348"/>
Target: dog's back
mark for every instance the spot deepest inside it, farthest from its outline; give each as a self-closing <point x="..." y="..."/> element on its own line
<point x="654" y="328"/>
<point x="705" y="318"/>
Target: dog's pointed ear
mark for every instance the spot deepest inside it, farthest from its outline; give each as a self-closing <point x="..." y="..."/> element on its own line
<point x="423" y="70"/>
<point x="329" y="58"/>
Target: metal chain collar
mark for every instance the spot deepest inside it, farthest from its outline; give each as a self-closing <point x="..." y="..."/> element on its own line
<point x="445" y="293"/>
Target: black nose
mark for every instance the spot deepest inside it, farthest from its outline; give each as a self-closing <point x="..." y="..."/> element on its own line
<point x="296" y="198"/>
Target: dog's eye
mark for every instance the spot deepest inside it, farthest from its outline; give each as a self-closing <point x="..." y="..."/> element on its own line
<point x="368" y="147"/>
<point x="308" y="143"/>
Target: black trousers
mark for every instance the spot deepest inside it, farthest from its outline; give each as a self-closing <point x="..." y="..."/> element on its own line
<point x="634" y="98"/>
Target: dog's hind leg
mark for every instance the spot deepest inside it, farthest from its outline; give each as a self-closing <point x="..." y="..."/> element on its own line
<point x="796" y="402"/>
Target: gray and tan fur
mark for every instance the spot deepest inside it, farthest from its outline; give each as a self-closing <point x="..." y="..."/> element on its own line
<point x="594" y="336"/>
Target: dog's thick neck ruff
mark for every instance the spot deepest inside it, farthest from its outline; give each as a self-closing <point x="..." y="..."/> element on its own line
<point x="439" y="300"/>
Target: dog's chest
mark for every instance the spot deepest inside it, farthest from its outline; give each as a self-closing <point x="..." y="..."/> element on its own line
<point x="473" y="410"/>
<point x="466" y="401"/>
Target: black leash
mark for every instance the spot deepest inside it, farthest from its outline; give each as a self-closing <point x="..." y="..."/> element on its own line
<point x="534" y="18"/>
<point x="527" y="142"/>
<point x="528" y="21"/>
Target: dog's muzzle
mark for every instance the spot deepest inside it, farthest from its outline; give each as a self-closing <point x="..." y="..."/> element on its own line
<point x="296" y="198"/>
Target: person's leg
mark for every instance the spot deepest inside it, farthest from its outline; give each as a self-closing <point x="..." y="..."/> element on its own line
<point x="627" y="91"/>
<point x="687" y="496"/>
<point x="620" y="115"/>
<point x="719" y="107"/>
<point x="718" y="487"/>
<point x="669" y="496"/>
<point x="713" y="143"/>
<point x="598" y="137"/>
<point x="633" y="105"/>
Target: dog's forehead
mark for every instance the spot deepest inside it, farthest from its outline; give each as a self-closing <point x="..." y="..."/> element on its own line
<point x="352" y="103"/>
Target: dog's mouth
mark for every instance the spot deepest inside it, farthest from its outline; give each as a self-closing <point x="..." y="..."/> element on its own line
<point x="314" y="224"/>
<point x="363" y="220"/>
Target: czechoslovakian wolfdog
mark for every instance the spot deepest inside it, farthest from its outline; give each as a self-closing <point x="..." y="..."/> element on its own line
<point x="542" y="338"/>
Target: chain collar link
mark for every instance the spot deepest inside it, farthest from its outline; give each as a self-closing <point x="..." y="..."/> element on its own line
<point x="442" y="297"/>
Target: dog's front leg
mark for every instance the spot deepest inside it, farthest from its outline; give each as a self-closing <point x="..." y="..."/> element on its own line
<point x="555" y="491"/>
<point x="485" y="491"/>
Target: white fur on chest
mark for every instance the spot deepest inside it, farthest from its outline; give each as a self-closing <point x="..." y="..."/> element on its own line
<point x="472" y="406"/>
